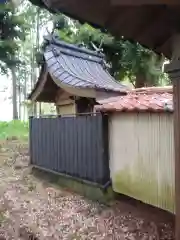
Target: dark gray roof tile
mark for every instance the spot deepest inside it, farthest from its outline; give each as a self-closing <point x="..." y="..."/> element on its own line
<point x="79" y="67"/>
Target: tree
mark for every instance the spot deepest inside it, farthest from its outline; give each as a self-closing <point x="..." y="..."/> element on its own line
<point x="141" y="65"/>
<point x="28" y="71"/>
<point x="12" y="28"/>
<point x="18" y="50"/>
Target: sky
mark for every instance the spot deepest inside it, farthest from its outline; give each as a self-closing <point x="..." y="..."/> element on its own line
<point x="6" y="107"/>
<point x="5" y="103"/>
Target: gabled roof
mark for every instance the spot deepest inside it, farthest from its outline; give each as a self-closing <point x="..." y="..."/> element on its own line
<point x="141" y="100"/>
<point x="78" y="67"/>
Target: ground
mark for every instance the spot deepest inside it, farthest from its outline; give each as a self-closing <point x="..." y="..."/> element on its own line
<point x="32" y="208"/>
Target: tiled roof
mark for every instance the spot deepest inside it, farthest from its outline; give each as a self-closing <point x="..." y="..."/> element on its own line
<point x="79" y="67"/>
<point x="139" y="101"/>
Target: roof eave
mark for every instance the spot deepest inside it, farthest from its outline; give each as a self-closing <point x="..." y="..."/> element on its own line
<point x="112" y="111"/>
<point x="107" y="23"/>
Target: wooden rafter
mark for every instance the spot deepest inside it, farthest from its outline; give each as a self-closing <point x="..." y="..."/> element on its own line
<point x="143" y="2"/>
<point x="150" y="24"/>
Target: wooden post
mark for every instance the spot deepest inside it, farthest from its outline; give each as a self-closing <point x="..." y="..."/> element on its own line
<point x="173" y="69"/>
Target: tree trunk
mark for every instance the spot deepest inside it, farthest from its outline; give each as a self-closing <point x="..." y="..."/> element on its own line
<point x="40" y="109"/>
<point x="140" y="81"/>
<point x="14" y="84"/>
<point x="19" y="102"/>
<point x="24" y="96"/>
<point x="36" y="67"/>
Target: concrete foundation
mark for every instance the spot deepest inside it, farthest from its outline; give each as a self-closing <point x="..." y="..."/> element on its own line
<point x="88" y="190"/>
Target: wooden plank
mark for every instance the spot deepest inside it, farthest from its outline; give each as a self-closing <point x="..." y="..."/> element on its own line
<point x="176" y="87"/>
<point x="173" y="69"/>
<point x="143" y="2"/>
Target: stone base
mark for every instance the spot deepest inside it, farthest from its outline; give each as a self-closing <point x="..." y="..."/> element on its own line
<point x="87" y="190"/>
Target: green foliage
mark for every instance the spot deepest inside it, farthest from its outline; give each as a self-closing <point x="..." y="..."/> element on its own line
<point x="12" y="30"/>
<point x="14" y="128"/>
<point x="138" y="61"/>
<point x="125" y="59"/>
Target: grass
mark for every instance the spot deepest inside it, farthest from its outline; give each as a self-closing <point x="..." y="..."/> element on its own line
<point x="2" y="217"/>
<point x="14" y="129"/>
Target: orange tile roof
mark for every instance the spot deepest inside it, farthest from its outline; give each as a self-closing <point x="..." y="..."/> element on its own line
<point x="140" y="100"/>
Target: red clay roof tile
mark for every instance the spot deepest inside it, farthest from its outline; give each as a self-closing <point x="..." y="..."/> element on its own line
<point x="139" y="101"/>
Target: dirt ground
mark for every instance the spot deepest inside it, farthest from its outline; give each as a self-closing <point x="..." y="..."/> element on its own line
<point x="31" y="208"/>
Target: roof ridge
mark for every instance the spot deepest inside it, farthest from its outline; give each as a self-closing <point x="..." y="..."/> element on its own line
<point x="159" y="89"/>
<point x="54" y="39"/>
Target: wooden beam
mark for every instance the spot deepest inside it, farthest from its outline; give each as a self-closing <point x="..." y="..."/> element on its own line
<point x="173" y="69"/>
<point x="143" y="2"/>
<point x="176" y="88"/>
<point x="172" y="26"/>
<point x="154" y="21"/>
<point x="39" y="87"/>
<point x="120" y="17"/>
<point x="164" y="46"/>
<point x="114" y="14"/>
